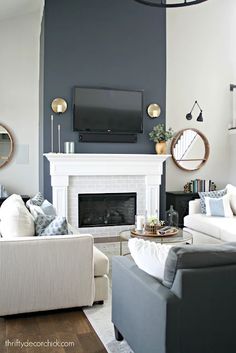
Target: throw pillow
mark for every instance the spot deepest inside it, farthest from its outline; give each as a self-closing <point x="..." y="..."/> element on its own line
<point x="212" y="194"/>
<point x="41" y="222"/>
<point x="218" y="207"/>
<point x="149" y="256"/>
<point x="16" y="220"/>
<point x="58" y="226"/>
<point x="51" y="225"/>
<point x="231" y="190"/>
<point x="37" y="199"/>
<point x="48" y="208"/>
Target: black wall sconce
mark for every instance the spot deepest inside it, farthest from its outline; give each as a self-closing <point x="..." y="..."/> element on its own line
<point x="189" y="116"/>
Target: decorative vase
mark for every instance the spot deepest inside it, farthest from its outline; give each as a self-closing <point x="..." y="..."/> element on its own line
<point x="161" y="147"/>
<point x="172" y="217"/>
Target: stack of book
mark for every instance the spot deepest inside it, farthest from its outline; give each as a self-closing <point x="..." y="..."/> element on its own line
<point x="199" y="185"/>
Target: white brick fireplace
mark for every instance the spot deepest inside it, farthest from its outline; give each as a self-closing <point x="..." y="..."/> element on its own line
<point x="72" y="174"/>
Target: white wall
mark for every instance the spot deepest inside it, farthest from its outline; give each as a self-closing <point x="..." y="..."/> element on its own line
<point x="201" y="63"/>
<point x="19" y="99"/>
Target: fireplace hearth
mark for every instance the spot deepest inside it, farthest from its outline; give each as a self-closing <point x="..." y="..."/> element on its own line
<point x="109" y="209"/>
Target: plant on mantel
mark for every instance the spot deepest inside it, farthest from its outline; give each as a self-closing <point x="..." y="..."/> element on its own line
<point x="160" y="135"/>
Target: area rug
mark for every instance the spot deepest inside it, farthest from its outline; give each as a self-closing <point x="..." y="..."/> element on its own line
<point x="100" y="315"/>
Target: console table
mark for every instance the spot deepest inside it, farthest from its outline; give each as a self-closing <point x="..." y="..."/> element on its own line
<point x="180" y="201"/>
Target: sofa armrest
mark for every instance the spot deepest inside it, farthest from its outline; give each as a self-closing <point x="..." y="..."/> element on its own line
<point x="143" y="310"/>
<point x="194" y="206"/>
<point x="45" y="273"/>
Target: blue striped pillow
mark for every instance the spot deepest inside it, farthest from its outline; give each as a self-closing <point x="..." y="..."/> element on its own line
<point x="218" y="207"/>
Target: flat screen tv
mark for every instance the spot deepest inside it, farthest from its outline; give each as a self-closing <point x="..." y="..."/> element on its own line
<point x="102" y="110"/>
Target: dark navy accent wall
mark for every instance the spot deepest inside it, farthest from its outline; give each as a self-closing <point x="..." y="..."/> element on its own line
<point x="106" y="43"/>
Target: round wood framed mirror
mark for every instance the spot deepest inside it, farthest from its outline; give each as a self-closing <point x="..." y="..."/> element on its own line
<point x="6" y="145"/>
<point x="190" y="149"/>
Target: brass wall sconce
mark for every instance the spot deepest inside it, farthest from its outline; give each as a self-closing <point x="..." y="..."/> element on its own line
<point x="59" y="105"/>
<point x="154" y="110"/>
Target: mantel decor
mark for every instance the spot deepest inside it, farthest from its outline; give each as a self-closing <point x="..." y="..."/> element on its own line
<point x="169" y="4"/>
<point x="160" y="135"/>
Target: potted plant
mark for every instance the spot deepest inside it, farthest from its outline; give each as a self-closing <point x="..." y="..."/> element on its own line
<point x="160" y="135"/>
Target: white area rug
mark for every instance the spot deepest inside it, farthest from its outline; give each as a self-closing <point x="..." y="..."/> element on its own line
<point x="100" y="315"/>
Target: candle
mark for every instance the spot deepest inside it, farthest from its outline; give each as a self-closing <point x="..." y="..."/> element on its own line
<point x="59" y="138"/>
<point x="51" y="133"/>
<point x="139" y="222"/>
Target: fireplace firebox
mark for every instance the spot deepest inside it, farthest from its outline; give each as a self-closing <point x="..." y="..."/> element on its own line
<point x="110" y="209"/>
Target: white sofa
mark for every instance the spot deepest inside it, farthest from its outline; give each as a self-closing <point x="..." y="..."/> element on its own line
<point x="46" y="273"/>
<point x="207" y="229"/>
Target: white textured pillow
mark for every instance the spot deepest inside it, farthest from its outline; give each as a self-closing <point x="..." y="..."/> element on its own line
<point x="218" y="207"/>
<point x="16" y="220"/>
<point x="231" y="191"/>
<point x="149" y="256"/>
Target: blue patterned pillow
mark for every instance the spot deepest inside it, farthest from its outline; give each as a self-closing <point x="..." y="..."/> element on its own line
<point x="51" y="225"/>
<point x="211" y="194"/>
<point x="38" y="199"/>
<point x="41" y="222"/>
<point x="58" y="226"/>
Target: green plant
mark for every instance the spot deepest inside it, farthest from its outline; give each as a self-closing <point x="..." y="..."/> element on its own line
<point x="153" y="220"/>
<point x="160" y="134"/>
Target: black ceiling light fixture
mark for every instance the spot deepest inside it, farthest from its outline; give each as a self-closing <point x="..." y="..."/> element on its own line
<point x="189" y="116"/>
<point x="169" y="3"/>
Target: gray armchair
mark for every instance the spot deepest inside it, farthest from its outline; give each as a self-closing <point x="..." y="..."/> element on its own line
<point x="194" y="312"/>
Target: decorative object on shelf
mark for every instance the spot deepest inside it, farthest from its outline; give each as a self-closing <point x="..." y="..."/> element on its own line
<point x="172" y="217"/>
<point x="190" y="149"/>
<point x="169" y="4"/>
<point x="199" y="185"/>
<point x="59" y="137"/>
<point x="6" y="146"/>
<point x="59" y="105"/>
<point x="154" y="110"/>
<point x="69" y="147"/>
<point x="180" y="201"/>
<point x="189" y="116"/>
<point x="52" y="133"/>
<point x="160" y="135"/>
<point x="3" y="192"/>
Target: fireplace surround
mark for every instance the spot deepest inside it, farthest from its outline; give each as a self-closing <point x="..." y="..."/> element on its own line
<point x="73" y="174"/>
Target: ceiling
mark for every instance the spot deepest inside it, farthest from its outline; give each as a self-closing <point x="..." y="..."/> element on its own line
<point x="14" y="8"/>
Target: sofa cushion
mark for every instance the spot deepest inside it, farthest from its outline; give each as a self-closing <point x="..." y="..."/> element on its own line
<point x="51" y="225"/>
<point x="189" y="257"/>
<point x="16" y="220"/>
<point x="217" y="227"/>
<point x="101" y="263"/>
<point x="149" y="256"/>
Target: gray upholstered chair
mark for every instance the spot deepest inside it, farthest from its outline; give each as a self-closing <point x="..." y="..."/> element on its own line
<point x="192" y="311"/>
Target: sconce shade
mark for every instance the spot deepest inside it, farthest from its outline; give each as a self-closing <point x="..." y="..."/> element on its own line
<point x="154" y="110"/>
<point x="59" y="105"/>
<point x="200" y="117"/>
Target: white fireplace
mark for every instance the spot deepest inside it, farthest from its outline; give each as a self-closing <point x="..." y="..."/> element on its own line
<point x="73" y="174"/>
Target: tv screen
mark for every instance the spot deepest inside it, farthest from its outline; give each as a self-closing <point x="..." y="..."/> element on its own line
<point x="108" y="110"/>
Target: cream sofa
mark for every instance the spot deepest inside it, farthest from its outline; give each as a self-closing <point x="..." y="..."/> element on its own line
<point x="46" y="273"/>
<point x="207" y="229"/>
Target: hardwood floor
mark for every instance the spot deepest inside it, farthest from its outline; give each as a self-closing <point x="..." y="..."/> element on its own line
<point x="67" y="327"/>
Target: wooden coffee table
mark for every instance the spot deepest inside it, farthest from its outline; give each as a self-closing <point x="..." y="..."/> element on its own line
<point x="183" y="237"/>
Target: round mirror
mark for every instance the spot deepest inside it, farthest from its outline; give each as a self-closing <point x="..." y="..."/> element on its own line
<point x="190" y="149"/>
<point x="6" y="146"/>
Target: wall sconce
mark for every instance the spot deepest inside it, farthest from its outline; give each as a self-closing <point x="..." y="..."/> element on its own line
<point x="59" y="105"/>
<point x="200" y="117"/>
<point x="154" y="110"/>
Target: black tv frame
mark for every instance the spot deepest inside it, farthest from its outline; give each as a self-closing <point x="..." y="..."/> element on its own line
<point x="109" y="137"/>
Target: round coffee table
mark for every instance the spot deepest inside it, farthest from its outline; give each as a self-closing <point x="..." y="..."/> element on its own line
<point x="182" y="237"/>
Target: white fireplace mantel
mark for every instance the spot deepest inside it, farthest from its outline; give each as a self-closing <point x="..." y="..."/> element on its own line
<point x="63" y="166"/>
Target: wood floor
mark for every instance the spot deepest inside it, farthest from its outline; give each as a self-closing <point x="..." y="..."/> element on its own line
<point x="70" y="328"/>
